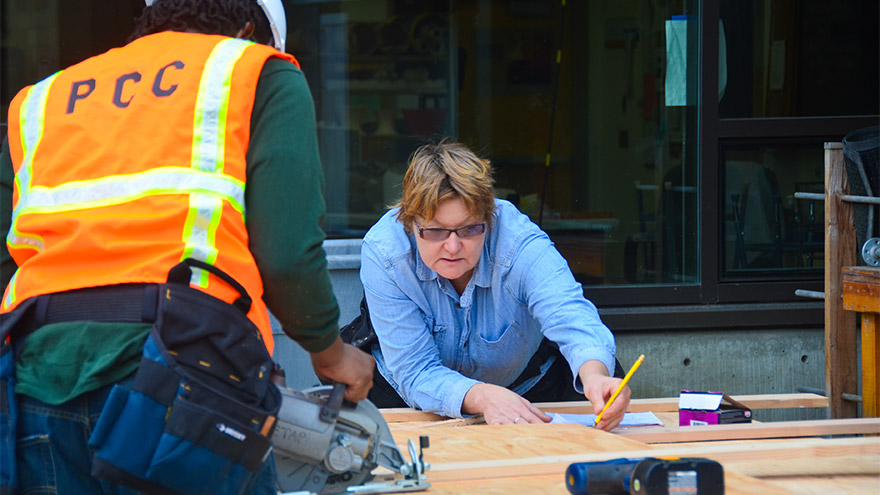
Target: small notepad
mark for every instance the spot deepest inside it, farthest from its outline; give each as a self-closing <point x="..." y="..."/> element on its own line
<point x="629" y="419"/>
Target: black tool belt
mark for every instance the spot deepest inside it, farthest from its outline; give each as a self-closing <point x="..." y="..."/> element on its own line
<point x="199" y="415"/>
<point x="123" y="303"/>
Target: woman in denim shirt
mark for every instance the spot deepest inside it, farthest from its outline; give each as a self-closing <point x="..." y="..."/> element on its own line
<point x="474" y="309"/>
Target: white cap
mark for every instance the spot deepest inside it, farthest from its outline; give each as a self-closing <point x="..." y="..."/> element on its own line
<point x="274" y="11"/>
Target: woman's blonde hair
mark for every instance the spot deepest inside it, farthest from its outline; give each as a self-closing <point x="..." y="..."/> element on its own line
<point x="442" y="171"/>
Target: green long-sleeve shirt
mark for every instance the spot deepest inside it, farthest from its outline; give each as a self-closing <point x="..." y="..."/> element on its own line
<point x="285" y="208"/>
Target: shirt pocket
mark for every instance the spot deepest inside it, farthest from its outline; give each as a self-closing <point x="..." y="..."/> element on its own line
<point x="496" y="355"/>
<point x="510" y="335"/>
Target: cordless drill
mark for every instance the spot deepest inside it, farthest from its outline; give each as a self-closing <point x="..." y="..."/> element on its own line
<point x="646" y="476"/>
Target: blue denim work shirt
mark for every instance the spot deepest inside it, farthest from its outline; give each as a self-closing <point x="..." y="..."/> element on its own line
<point x="434" y="345"/>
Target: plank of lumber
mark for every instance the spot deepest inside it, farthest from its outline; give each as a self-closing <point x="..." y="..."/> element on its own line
<point x="736" y="484"/>
<point x="829" y="466"/>
<point x="870" y="358"/>
<point x="807" y="450"/>
<point x="841" y="356"/>
<point x="479" y="443"/>
<point x="537" y="485"/>
<point x="861" y="293"/>
<point x="670" y="404"/>
<point x="825" y="485"/>
<point x="861" y="289"/>
<point x="740" y="431"/>
<point x="404" y="414"/>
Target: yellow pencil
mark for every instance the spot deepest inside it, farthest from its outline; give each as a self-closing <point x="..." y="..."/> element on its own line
<point x="629" y="375"/>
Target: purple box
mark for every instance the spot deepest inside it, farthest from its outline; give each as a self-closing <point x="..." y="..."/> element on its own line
<point x="710" y="408"/>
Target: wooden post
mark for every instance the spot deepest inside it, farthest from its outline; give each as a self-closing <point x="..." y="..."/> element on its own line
<point x="861" y="293"/>
<point x="841" y="356"/>
<point x="870" y="357"/>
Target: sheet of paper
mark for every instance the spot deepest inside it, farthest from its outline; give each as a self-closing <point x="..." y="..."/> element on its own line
<point x="629" y="419"/>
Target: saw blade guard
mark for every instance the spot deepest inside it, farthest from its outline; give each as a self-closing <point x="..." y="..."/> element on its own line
<point x="325" y="445"/>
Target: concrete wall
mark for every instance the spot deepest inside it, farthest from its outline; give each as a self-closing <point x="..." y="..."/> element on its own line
<point x="344" y="263"/>
<point x="755" y="361"/>
<point x="769" y="361"/>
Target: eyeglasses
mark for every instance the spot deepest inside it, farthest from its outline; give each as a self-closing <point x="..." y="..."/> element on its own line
<point x="465" y="232"/>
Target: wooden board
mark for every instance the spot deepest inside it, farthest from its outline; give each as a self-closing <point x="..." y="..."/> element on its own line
<point x="861" y="293"/>
<point x="737" y="484"/>
<point x="829" y="485"/>
<point x="785" y="429"/>
<point x="861" y="289"/>
<point x="468" y="458"/>
<point x="472" y="467"/>
<point x="841" y="356"/>
<point x="497" y="460"/>
<point x="669" y="404"/>
<point x="481" y="443"/>
<point x="870" y="364"/>
<point x="492" y="459"/>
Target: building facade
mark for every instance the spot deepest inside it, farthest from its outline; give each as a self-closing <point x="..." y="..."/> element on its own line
<point x="660" y="143"/>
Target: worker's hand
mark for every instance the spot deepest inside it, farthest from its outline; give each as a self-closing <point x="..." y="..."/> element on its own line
<point x="500" y="406"/>
<point x="598" y="388"/>
<point x="346" y="364"/>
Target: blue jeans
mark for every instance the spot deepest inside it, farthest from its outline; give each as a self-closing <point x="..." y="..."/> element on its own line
<point x="54" y="456"/>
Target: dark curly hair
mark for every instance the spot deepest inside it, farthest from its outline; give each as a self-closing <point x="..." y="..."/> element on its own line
<point x="223" y="17"/>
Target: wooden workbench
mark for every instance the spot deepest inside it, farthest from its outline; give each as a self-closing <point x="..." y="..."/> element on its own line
<point x="839" y="456"/>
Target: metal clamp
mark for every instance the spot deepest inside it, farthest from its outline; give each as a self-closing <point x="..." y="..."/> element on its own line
<point x="871" y="251"/>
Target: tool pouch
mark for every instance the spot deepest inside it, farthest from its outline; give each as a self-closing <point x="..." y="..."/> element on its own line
<point x="8" y="416"/>
<point x="199" y="415"/>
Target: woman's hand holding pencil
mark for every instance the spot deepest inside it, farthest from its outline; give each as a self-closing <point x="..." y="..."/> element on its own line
<point x="609" y="396"/>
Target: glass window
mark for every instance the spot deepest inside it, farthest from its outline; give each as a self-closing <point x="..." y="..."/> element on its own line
<point x="592" y="148"/>
<point x="41" y="37"/>
<point x="783" y="56"/>
<point x="766" y="229"/>
<point x="586" y="109"/>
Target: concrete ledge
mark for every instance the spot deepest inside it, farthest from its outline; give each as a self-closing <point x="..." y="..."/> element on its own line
<point x="343" y="254"/>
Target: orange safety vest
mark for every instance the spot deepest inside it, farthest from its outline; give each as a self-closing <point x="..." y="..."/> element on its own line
<point x="133" y="160"/>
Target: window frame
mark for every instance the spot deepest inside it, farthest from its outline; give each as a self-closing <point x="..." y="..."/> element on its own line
<point x="717" y="301"/>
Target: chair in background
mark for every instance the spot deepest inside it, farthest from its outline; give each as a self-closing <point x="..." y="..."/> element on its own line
<point x="767" y="233"/>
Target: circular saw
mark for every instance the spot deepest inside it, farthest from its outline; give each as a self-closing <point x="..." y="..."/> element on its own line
<point x="325" y="445"/>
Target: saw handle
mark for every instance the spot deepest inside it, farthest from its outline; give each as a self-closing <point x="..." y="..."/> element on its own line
<point x="330" y="409"/>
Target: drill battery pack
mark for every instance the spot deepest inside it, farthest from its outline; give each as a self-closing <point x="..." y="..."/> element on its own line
<point x="646" y="476"/>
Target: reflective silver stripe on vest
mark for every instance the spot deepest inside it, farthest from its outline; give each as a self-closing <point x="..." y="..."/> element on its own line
<point x="30" y="123"/>
<point x="117" y="189"/>
<point x="31" y="119"/>
<point x="208" y="151"/>
<point x="200" y="231"/>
